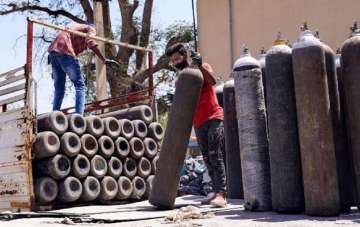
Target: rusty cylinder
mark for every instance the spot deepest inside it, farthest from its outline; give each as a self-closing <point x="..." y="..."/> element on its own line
<point x="176" y="138"/>
<point x="350" y="55"/>
<point x="232" y="146"/>
<point x="285" y="163"/>
<point x="251" y="115"/>
<point x="316" y="137"/>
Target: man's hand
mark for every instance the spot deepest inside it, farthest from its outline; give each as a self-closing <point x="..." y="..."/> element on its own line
<point x="196" y="59"/>
<point x="111" y="63"/>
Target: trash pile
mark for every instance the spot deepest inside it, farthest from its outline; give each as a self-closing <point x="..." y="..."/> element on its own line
<point x="194" y="178"/>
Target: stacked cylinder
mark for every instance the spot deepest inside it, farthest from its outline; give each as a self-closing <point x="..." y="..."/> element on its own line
<point x="96" y="159"/>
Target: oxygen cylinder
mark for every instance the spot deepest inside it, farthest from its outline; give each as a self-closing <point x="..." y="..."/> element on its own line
<point x="350" y="53"/>
<point x="232" y="146"/>
<point x="262" y="61"/>
<point x="342" y="159"/>
<point x="219" y="89"/>
<point x="176" y="138"/>
<point x="285" y="164"/>
<point x="316" y="137"/>
<point x="250" y="110"/>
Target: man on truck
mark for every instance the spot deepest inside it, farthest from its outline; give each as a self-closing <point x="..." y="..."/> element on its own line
<point x="208" y="121"/>
<point x="63" y="53"/>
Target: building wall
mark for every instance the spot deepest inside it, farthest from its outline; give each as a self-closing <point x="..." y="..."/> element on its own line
<point x="256" y="23"/>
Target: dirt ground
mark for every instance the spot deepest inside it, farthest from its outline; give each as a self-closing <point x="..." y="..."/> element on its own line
<point x="142" y="214"/>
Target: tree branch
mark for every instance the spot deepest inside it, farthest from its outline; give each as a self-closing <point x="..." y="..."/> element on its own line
<point x="88" y="11"/>
<point x="110" y="50"/>
<point x="22" y="7"/>
<point x="145" y="32"/>
<point x="129" y="32"/>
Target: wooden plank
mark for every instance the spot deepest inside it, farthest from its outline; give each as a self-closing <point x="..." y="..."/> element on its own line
<point x="12" y="80"/>
<point x="12" y="89"/>
<point x="12" y="99"/>
<point x="12" y="130"/>
<point x="13" y="154"/>
<point x="12" y="72"/>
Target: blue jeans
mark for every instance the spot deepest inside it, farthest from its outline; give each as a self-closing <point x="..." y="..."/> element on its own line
<point x="63" y="65"/>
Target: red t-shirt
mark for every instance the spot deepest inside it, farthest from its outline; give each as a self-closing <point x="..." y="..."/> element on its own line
<point x="208" y="106"/>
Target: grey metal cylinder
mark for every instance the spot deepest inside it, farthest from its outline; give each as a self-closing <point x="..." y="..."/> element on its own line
<point x="108" y="188"/>
<point x="341" y="153"/>
<point x="77" y="124"/>
<point x="232" y="146"/>
<point x="262" y="62"/>
<point x="137" y="148"/>
<point x="285" y="163"/>
<point x="250" y="110"/>
<point x="46" y="144"/>
<point x="70" y="189"/>
<point x="139" y="188"/>
<point x="125" y="188"/>
<point x="57" y="167"/>
<point x="106" y="146"/>
<point x="129" y="168"/>
<point x="89" y="145"/>
<point x="80" y="166"/>
<point x="70" y="144"/>
<point x="156" y="131"/>
<point x="351" y="175"/>
<point x="140" y="128"/>
<point x="316" y="137"/>
<point x="149" y="184"/>
<point x="127" y="128"/>
<point x="46" y="189"/>
<point x="350" y="53"/>
<point x="98" y="166"/>
<point x="219" y="90"/>
<point x="115" y="167"/>
<point x="122" y="147"/>
<point x="141" y="112"/>
<point x="55" y="121"/>
<point x="188" y="89"/>
<point x="143" y="168"/>
<point x="91" y="189"/>
<point x="151" y="147"/>
<point x="112" y="127"/>
<point x="95" y="126"/>
<point x="154" y="164"/>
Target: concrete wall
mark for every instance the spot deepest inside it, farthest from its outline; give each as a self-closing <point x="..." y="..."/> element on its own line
<point x="256" y="23"/>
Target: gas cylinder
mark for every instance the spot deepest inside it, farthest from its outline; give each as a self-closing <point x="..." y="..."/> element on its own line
<point x="316" y="136"/>
<point x="285" y="162"/>
<point x="251" y="115"/>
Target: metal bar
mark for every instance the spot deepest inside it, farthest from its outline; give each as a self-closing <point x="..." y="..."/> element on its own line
<point x="194" y="25"/>
<point x="12" y="89"/>
<point x="11" y="80"/>
<point x="12" y="72"/>
<point x="150" y="75"/>
<point x="29" y="47"/>
<point x="12" y="100"/>
<point x="94" y="37"/>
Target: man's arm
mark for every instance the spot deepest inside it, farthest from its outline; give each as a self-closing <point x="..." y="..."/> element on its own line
<point x="205" y="68"/>
<point x="208" y="73"/>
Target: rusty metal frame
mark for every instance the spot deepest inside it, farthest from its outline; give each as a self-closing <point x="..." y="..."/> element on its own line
<point x="100" y="105"/>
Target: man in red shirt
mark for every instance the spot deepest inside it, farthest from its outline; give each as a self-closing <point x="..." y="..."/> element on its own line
<point x="62" y="56"/>
<point x="208" y="121"/>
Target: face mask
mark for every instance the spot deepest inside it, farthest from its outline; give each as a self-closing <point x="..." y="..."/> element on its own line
<point x="182" y="65"/>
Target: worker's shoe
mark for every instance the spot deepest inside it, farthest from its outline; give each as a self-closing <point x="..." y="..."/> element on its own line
<point x="208" y="198"/>
<point x="219" y="201"/>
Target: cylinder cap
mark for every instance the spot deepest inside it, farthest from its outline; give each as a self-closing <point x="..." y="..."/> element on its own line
<point x="246" y="61"/>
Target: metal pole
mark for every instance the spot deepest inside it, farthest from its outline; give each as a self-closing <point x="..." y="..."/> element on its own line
<point x="150" y="75"/>
<point x="194" y="25"/>
<point x="94" y="37"/>
<point x="29" y="47"/>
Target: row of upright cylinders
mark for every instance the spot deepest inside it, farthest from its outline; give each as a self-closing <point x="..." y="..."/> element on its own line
<point x="95" y="158"/>
<point x="295" y="120"/>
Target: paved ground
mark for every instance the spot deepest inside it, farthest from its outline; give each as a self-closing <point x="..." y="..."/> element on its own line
<point x="129" y="215"/>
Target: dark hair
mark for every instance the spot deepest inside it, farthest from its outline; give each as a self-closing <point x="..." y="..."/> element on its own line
<point x="176" y="48"/>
